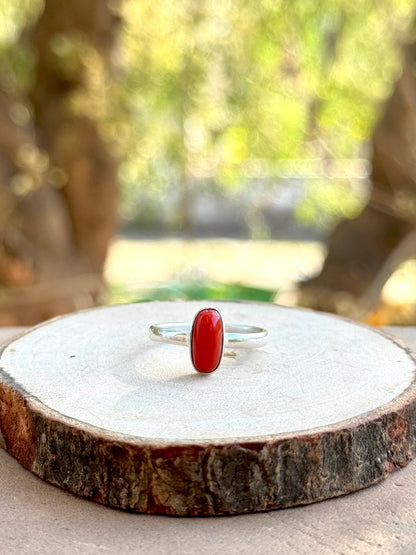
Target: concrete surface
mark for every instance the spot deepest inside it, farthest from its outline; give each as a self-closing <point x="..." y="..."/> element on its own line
<point x="36" y="518"/>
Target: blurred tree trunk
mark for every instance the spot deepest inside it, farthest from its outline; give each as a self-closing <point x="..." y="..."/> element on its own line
<point x="363" y="252"/>
<point x="58" y="195"/>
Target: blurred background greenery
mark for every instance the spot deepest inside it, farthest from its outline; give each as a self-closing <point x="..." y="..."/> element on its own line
<point x="218" y="98"/>
<point x="246" y="120"/>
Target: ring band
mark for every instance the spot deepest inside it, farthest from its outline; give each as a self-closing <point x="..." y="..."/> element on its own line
<point x="207" y="338"/>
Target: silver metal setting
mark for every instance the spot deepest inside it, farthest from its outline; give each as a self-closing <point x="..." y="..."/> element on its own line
<point x="236" y="336"/>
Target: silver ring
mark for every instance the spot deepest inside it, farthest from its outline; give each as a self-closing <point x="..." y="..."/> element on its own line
<point x="208" y="338"/>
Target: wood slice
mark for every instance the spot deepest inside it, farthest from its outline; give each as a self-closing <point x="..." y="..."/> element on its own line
<point x="89" y="403"/>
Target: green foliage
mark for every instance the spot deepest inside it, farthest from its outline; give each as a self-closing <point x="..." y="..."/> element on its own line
<point x="14" y="16"/>
<point x="16" y="60"/>
<point x="211" y="86"/>
<point x="322" y="206"/>
<point x="193" y="290"/>
<point x="208" y="90"/>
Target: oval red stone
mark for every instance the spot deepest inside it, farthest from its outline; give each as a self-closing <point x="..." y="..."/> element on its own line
<point x="207" y="338"/>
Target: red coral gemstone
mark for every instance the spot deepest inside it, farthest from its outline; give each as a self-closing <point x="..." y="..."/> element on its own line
<point x="207" y="338"/>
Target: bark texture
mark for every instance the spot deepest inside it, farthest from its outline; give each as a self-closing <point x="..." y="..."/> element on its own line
<point x="206" y="479"/>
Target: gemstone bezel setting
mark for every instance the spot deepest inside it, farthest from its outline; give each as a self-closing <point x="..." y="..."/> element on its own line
<point x="207" y="340"/>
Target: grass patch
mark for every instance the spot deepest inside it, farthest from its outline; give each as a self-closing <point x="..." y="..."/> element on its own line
<point x="191" y="290"/>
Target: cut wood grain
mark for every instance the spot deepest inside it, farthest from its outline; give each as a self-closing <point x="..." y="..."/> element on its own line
<point x="89" y="403"/>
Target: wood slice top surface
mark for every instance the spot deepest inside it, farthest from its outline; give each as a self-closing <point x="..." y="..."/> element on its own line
<point x="99" y="367"/>
<point x="88" y="402"/>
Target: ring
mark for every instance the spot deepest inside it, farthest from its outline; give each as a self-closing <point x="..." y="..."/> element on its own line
<point x="207" y="338"/>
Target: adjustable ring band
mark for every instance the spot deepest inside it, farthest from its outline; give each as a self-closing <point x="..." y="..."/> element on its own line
<point x="207" y="338"/>
<point x="236" y="335"/>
